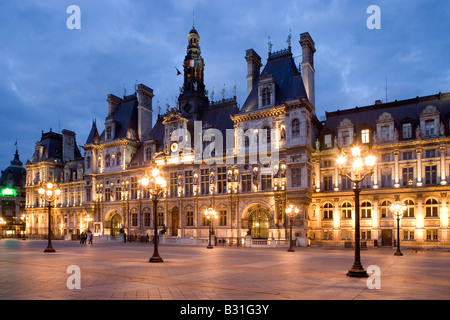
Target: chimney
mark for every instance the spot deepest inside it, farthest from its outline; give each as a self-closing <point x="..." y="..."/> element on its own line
<point x="253" y="68"/>
<point x="145" y="112"/>
<point x="113" y="103"/>
<point x="308" y="71"/>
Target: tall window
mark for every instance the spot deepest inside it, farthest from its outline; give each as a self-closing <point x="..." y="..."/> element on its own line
<point x="366" y="210"/>
<point x="406" y="131"/>
<point x="147" y="217"/>
<point x="148" y="154"/>
<point x="204" y="181"/>
<point x="221" y="179"/>
<point x="107" y="160"/>
<point x="266" y="97"/>
<point x="431" y="208"/>
<point x="222" y="218"/>
<point x="346" y="210"/>
<point x="134" y="188"/>
<point x="409" y="209"/>
<point x="430" y="175"/>
<point x="346" y="183"/>
<point x="266" y="181"/>
<point x="408" y="176"/>
<point x="188" y="183"/>
<point x="295" y="127"/>
<point x="107" y="194"/>
<point x="88" y="162"/>
<point x="296" y="177"/>
<point x="327" y="183"/>
<point x="267" y="137"/>
<point x="173" y="184"/>
<point x="432" y="234"/>
<point x="134" y="219"/>
<point x="108" y="133"/>
<point x="119" y="158"/>
<point x="189" y="218"/>
<point x="385" y="133"/>
<point x="327" y="141"/>
<point x="246" y="182"/>
<point x="328" y="211"/>
<point x="160" y="219"/>
<point x="365" y="136"/>
<point x="386" y="179"/>
<point x="429" y="127"/>
<point x="385" y="210"/>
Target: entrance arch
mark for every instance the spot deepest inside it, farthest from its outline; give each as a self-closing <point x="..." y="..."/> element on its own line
<point x="116" y="224"/>
<point x="258" y="223"/>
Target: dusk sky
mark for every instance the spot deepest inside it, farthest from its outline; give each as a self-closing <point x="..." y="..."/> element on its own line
<point x="52" y="77"/>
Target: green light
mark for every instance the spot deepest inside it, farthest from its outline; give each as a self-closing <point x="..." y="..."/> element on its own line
<point x="8" y="192"/>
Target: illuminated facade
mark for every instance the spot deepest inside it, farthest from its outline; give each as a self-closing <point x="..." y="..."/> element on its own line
<point x="249" y="163"/>
<point x="411" y="140"/>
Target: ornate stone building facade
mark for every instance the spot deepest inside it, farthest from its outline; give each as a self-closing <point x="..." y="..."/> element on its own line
<point x="249" y="163"/>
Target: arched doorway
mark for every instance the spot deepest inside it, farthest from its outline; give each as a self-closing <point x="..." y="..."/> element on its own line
<point x="258" y="222"/>
<point x="175" y="221"/>
<point x="116" y="224"/>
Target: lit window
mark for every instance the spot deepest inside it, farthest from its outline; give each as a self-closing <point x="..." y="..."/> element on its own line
<point x="409" y="204"/>
<point x="366" y="210"/>
<point x="431" y="208"/>
<point x="346" y="210"/>
<point x="365" y="136"/>
<point x="328" y="211"/>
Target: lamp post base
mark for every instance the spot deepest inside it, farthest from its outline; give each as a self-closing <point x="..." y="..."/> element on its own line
<point x="398" y="253"/>
<point x="291" y="247"/>
<point x="156" y="258"/>
<point x="49" y="249"/>
<point x="357" y="271"/>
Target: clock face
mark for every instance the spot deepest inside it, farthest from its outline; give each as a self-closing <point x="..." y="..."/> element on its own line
<point x="174" y="147"/>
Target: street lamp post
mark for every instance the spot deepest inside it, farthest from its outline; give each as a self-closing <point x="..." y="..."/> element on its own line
<point x="359" y="163"/>
<point x="49" y="192"/>
<point x="291" y="211"/>
<point x="159" y="186"/>
<point x="397" y="208"/>
<point x="210" y="213"/>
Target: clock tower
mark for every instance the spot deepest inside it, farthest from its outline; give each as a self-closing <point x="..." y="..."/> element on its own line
<point x="193" y="97"/>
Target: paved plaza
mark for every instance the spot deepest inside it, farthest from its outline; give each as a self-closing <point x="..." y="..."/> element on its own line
<point x="112" y="270"/>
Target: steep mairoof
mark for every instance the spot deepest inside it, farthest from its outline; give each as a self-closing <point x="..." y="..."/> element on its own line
<point x="289" y="84"/>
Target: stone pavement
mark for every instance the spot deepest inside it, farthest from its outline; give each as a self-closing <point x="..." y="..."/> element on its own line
<point x="121" y="271"/>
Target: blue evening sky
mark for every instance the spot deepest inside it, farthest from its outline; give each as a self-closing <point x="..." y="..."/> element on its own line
<point x="53" y="77"/>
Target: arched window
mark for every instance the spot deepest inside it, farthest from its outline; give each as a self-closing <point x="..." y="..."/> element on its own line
<point x="366" y="210"/>
<point x="409" y="209"/>
<point x="295" y="127"/>
<point x="346" y="210"/>
<point x="107" y="161"/>
<point x="265" y="97"/>
<point x="431" y="208"/>
<point x="147" y="217"/>
<point x="385" y="209"/>
<point x="328" y="211"/>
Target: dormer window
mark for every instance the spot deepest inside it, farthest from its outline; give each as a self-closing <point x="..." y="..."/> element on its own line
<point x="295" y="127"/>
<point x="407" y="131"/>
<point x="265" y="97"/>
<point x="365" y="136"/>
<point x="108" y="133"/>
<point x="429" y="128"/>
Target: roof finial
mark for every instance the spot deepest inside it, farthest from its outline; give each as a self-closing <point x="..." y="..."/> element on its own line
<point x="193" y="19"/>
<point x="270" y="45"/>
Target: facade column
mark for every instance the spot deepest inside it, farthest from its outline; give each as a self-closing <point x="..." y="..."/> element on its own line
<point x="375" y="176"/>
<point x="336" y="220"/>
<point x="419" y="219"/>
<point x="396" y="168"/>
<point x="317" y="172"/>
<point x="442" y="153"/>
<point x="444" y="216"/>
<point x="419" y="167"/>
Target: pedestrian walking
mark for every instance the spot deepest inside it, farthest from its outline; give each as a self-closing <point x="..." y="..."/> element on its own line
<point x="82" y="237"/>
<point x="90" y="238"/>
